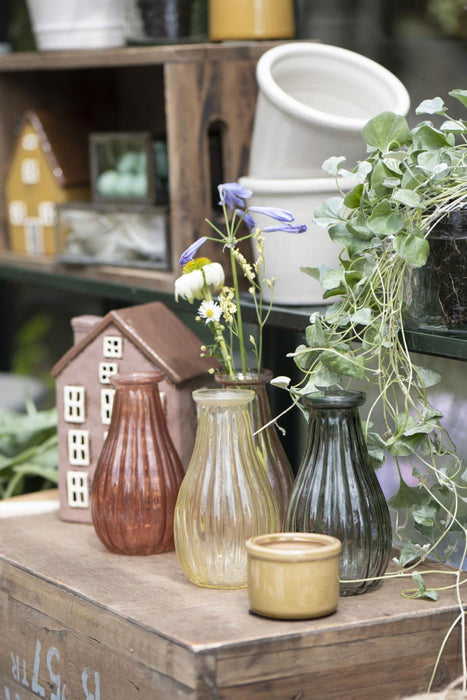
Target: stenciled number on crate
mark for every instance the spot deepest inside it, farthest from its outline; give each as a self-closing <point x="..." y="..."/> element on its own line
<point x="90" y="680"/>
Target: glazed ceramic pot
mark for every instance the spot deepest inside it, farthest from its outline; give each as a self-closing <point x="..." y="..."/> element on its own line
<point x="313" y="102"/>
<point x="251" y="19"/>
<point x="285" y="253"/>
<point x="292" y="575"/>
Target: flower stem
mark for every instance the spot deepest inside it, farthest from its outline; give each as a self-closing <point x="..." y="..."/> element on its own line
<point x="239" y="311"/>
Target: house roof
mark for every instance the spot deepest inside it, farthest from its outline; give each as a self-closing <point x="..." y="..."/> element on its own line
<point x="64" y="141"/>
<point x="159" y="335"/>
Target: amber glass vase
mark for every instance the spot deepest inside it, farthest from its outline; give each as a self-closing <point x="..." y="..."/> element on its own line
<point x="225" y="497"/>
<point x="138" y="473"/>
<point x="270" y="448"/>
<point x="337" y="492"/>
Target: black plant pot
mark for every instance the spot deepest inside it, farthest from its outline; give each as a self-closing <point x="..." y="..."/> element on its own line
<point x="436" y="294"/>
<point x="166" y="19"/>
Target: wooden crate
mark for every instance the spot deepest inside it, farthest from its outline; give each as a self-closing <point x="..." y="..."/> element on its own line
<point x="79" y="622"/>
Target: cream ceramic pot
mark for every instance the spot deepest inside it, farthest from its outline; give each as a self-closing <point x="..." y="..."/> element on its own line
<point x="313" y="102"/>
<point x="293" y="575"/>
<point x="285" y="253"/>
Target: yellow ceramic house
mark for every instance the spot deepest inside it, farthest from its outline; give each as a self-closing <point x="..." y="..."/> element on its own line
<point x="49" y="166"/>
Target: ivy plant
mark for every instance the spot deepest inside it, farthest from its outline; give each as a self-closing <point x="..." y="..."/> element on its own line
<point x="411" y="179"/>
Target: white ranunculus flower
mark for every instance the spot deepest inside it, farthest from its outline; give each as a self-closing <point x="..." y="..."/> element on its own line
<point x="214" y="273"/>
<point x="190" y="286"/>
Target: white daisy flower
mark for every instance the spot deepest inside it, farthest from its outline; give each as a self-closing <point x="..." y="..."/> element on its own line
<point x="190" y="286"/>
<point x="214" y="273"/>
<point x="210" y="311"/>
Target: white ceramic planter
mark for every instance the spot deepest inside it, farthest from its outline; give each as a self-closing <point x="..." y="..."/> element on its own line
<point x="285" y="253"/>
<point x="77" y="24"/>
<point x="313" y="102"/>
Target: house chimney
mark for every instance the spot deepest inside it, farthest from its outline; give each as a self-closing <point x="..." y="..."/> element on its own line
<point x="82" y="325"/>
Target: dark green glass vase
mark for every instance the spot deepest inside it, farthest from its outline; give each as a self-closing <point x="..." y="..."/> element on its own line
<point x="337" y="493"/>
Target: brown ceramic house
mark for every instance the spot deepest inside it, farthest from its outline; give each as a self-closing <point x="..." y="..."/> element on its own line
<point x="49" y="166"/>
<point x="140" y="338"/>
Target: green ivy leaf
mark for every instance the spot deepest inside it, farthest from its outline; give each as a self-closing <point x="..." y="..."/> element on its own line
<point x="376" y="447"/>
<point x="303" y="357"/>
<point x="422" y="591"/>
<point x="326" y="377"/>
<point x="409" y="552"/>
<point x="333" y="164"/>
<point x="353" y="366"/>
<point x="427" y="377"/>
<point x="413" y="249"/>
<point x="387" y="131"/>
<point x="332" y="279"/>
<point x="405" y="446"/>
<point x="314" y="335"/>
<point x="425" y="514"/>
<point x="358" y="225"/>
<point x="341" y="236"/>
<point x="407" y="197"/>
<point x="460" y="95"/>
<point x="407" y="496"/>
<point x="363" y="317"/>
<point x="352" y="198"/>
<point x="427" y="138"/>
<point x="434" y="106"/>
<point x="329" y="212"/>
<point x="385" y="220"/>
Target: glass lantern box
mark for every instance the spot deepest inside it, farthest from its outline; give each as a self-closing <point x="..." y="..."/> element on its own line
<point x="130" y="167"/>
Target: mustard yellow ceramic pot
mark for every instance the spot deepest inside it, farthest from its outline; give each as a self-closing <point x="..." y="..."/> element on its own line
<point x="251" y="19"/>
<point x="293" y="575"/>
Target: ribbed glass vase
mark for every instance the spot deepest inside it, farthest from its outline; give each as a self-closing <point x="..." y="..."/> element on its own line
<point x="337" y="493"/>
<point x="138" y="473"/>
<point x="267" y="441"/>
<point x="225" y="497"/>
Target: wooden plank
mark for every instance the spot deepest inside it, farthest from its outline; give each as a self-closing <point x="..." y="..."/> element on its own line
<point x="133" y="56"/>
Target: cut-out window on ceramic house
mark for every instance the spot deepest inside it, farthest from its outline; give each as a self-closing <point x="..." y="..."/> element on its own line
<point x="33" y="237"/>
<point x="106" y="370"/>
<point x="112" y="346"/>
<point x="78" y="448"/>
<point x="30" y="173"/>
<point x="107" y="400"/>
<point x="47" y="213"/>
<point x="77" y="489"/>
<point x="17" y="213"/>
<point x="30" y="142"/>
<point x="74" y="407"/>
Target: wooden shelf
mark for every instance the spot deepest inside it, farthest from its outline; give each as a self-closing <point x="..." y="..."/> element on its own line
<point x="139" y="287"/>
<point x="132" y="56"/>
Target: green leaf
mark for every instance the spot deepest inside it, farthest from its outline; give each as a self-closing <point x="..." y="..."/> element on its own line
<point x="358" y="225"/>
<point x="281" y="382"/>
<point x="434" y="106"/>
<point x="385" y="220"/>
<point x="422" y="591"/>
<point x="316" y="272"/>
<point x="329" y="212"/>
<point x="362" y="317"/>
<point x="303" y="357"/>
<point x="352" y="198"/>
<point x="425" y="514"/>
<point x="405" y="446"/>
<point x="407" y="197"/>
<point x="387" y="131"/>
<point x="427" y="377"/>
<point x="325" y="377"/>
<point x="341" y="236"/>
<point x="409" y="552"/>
<point x="315" y="336"/>
<point x="407" y="496"/>
<point x="427" y="138"/>
<point x="413" y="249"/>
<point x="455" y="127"/>
<point x="332" y="165"/>
<point x="378" y="176"/>
<point x="332" y="279"/>
<point x="460" y="95"/>
<point x="376" y="447"/>
<point x="353" y="366"/>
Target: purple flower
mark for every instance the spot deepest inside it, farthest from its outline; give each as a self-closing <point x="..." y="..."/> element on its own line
<point x="288" y="228"/>
<point x="189" y="253"/>
<point x="244" y="216"/>
<point x="232" y="194"/>
<point x="273" y="213"/>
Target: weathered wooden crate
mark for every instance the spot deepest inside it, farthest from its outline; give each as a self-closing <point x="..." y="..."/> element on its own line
<point x="78" y="622"/>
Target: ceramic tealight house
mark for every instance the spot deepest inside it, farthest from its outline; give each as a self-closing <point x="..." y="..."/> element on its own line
<point x="136" y="339"/>
<point x="49" y="166"/>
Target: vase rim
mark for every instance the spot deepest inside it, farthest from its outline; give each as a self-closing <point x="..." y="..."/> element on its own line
<point x="338" y="398"/>
<point x="262" y="546"/>
<point x="137" y="378"/>
<point x="223" y="397"/>
<point x="251" y="376"/>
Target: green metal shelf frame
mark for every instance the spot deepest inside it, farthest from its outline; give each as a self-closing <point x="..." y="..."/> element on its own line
<point x="429" y="342"/>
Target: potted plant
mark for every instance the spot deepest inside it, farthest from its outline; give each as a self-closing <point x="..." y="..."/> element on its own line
<point x="411" y="181"/>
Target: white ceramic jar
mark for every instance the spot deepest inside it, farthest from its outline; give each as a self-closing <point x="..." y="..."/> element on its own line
<point x="285" y="253"/>
<point x="313" y="102"/>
